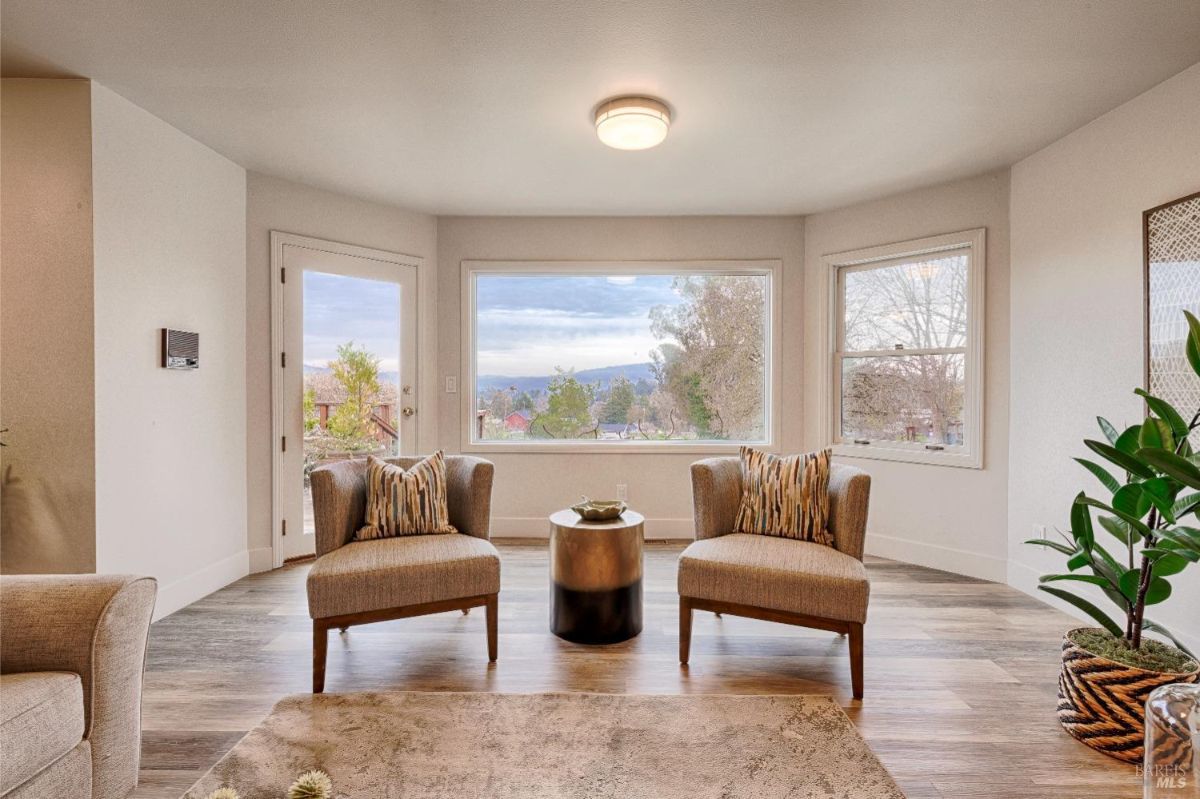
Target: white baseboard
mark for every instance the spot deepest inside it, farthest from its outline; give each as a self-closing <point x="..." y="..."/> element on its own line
<point x="201" y="583"/>
<point x="934" y="556"/>
<point x="261" y="560"/>
<point x="539" y="527"/>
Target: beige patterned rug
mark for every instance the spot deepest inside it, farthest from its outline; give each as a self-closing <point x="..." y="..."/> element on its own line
<point x="556" y="746"/>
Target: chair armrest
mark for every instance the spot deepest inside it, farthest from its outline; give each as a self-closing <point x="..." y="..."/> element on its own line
<point x="716" y="495"/>
<point x="849" y="500"/>
<point x="95" y="626"/>
<point x="339" y="497"/>
<point x="469" y="494"/>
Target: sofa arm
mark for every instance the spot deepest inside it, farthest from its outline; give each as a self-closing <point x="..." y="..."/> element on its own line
<point x="716" y="495"/>
<point x="469" y="494"/>
<point x="849" y="499"/>
<point x="339" y="498"/>
<point x="96" y="626"/>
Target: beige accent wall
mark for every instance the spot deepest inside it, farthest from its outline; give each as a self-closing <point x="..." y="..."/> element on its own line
<point x="169" y="233"/>
<point x="529" y="486"/>
<point x="48" y="504"/>
<point x="1077" y="307"/>
<point x="276" y="204"/>
<point x="944" y="517"/>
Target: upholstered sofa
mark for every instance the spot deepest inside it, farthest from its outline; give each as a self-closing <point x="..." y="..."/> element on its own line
<point x="362" y="582"/>
<point x="72" y="652"/>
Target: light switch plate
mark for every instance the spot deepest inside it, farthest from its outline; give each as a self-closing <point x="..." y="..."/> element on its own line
<point x="451" y="384"/>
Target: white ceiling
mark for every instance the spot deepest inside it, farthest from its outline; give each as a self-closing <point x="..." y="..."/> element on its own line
<point x="485" y="107"/>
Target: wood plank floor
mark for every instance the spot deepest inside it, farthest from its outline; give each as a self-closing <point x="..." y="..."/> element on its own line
<point x="960" y="673"/>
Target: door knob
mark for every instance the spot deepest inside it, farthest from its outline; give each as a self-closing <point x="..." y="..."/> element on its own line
<point x="408" y="411"/>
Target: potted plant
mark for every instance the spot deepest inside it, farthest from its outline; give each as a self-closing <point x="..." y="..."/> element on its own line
<point x="1152" y="512"/>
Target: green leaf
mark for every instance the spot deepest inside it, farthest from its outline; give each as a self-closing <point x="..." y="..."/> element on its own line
<point x="1129" y="582"/>
<point x="1078" y="561"/>
<point x="1163" y="631"/>
<point x="1185" y="505"/>
<point x="1125" y="460"/>
<point x="1168" y="565"/>
<point x="1164" y="409"/>
<point x="1109" y="482"/>
<point x="1165" y="548"/>
<point x="1132" y="500"/>
<point x="1081" y="524"/>
<point x="1172" y="465"/>
<point x="1135" y="523"/>
<point x="1109" y="431"/>
<point x="1150" y="436"/>
<point x="1119" y="528"/>
<point x="1082" y="578"/>
<point x="1161" y="493"/>
<point x="1158" y="590"/>
<point x="1087" y="607"/>
<point x="1193" y="342"/>
<point x="1055" y="545"/>
<point x="1127" y="442"/>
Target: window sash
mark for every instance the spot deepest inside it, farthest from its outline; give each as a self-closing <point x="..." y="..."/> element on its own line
<point x="472" y="270"/>
<point x="970" y="452"/>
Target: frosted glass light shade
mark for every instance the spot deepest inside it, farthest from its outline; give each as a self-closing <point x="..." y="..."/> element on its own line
<point x="632" y="123"/>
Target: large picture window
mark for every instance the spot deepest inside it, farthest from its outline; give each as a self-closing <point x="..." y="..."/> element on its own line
<point x="619" y="355"/>
<point x="908" y="350"/>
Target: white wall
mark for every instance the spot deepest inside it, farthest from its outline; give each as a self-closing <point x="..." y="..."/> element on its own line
<point x="531" y="485"/>
<point x="943" y="517"/>
<point x="46" y="349"/>
<point x="1077" y="306"/>
<point x="170" y="233"/>
<point x="276" y="204"/>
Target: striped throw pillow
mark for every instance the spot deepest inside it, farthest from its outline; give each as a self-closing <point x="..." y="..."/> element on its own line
<point x="786" y="496"/>
<point x="406" y="501"/>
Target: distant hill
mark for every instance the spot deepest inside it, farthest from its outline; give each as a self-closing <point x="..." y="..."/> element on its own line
<point x="604" y="375"/>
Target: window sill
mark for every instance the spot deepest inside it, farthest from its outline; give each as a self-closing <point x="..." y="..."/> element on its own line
<point x="882" y="452"/>
<point x="697" y="449"/>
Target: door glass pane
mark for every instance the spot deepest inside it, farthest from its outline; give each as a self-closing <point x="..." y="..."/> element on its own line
<point x="621" y="358"/>
<point x="916" y="398"/>
<point x="351" y="371"/>
<point x="914" y="305"/>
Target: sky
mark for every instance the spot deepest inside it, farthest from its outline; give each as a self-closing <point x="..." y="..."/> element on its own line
<point x="338" y="309"/>
<point x="528" y="325"/>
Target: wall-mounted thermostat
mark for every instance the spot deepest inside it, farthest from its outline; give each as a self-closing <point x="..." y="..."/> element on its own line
<point x="180" y="349"/>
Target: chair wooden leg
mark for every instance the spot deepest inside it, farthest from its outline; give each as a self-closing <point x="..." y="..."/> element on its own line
<point x="492" y="626"/>
<point x="685" y="629"/>
<point x="320" y="645"/>
<point x="856" y="659"/>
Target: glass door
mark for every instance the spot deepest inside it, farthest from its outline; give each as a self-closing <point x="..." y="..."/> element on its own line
<point x="349" y="372"/>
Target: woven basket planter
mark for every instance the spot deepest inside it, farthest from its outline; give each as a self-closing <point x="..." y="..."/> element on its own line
<point x="1103" y="703"/>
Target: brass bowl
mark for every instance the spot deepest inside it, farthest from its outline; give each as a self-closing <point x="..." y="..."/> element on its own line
<point x="599" y="510"/>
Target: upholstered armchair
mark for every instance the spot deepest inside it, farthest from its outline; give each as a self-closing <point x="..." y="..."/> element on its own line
<point x="72" y="654"/>
<point x="772" y="578"/>
<point x="360" y="582"/>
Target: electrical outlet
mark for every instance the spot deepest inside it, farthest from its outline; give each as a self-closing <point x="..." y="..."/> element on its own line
<point x="622" y="492"/>
<point x="451" y="384"/>
<point x="1039" y="531"/>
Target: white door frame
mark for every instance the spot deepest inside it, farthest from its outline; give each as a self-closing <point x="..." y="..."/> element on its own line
<point x="424" y="390"/>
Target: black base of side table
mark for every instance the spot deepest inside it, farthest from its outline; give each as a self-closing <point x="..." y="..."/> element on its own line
<point x="596" y="617"/>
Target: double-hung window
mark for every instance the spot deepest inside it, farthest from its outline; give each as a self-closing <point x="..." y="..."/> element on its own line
<point x="908" y="351"/>
<point x="620" y="356"/>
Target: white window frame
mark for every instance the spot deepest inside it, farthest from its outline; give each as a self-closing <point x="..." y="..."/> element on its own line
<point x="772" y="269"/>
<point x="836" y="265"/>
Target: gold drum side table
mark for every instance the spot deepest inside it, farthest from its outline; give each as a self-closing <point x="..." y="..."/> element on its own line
<point x="596" y="577"/>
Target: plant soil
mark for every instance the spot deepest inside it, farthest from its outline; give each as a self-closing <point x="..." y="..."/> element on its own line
<point x="1153" y="655"/>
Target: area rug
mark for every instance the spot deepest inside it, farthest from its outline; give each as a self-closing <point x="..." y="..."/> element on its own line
<point x="556" y="746"/>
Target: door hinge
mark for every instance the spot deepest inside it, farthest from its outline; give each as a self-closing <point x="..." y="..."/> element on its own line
<point x="283" y="443"/>
<point x="285" y="526"/>
<point x="283" y="360"/>
<point x="283" y="274"/>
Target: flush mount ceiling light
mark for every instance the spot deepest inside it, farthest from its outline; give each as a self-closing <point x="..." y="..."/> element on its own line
<point x="632" y="123"/>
